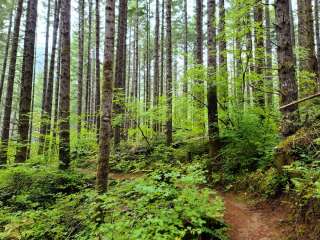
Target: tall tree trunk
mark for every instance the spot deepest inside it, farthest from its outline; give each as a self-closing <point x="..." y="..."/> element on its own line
<point x="169" y="73"/>
<point x="10" y="84"/>
<point x="223" y="61"/>
<point x="106" y="104"/>
<point x="185" y="47"/>
<point x="6" y="54"/>
<point x="80" y="65"/>
<point x="259" y="54"/>
<point x="64" y="95"/>
<point x="199" y="41"/>
<point x="249" y="57"/>
<point x="97" y="94"/>
<point x="308" y="62"/>
<point x="88" y="80"/>
<point x="293" y="32"/>
<point x="286" y="72"/>
<point x="57" y="91"/>
<point x="162" y="78"/>
<point x="156" y="64"/>
<point x="26" y="81"/>
<point x="32" y="102"/>
<point x="199" y="90"/>
<point x="120" y="68"/>
<point x="45" y="68"/>
<point x="47" y="110"/>
<point x="269" y="77"/>
<point x="148" y="83"/>
<point x="317" y="28"/>
<point x="212" y="87"/>
<point x="136" y="73"/>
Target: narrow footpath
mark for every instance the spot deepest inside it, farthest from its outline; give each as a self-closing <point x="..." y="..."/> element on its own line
<point x="251" y="223"/>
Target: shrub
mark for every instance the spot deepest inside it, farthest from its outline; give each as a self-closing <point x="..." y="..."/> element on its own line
<point x="24" y="188"/>
<point x="166" y="204"/>
<point x="250" y="143"/>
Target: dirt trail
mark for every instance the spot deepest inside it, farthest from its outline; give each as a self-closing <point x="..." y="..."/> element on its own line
<point x="249" y="223"/>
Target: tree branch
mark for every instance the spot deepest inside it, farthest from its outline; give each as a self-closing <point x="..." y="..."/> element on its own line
<point x="300" y="101"/>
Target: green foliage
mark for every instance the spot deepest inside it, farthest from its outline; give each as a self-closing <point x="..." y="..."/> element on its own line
<point x="166" y="204"/>
<point x="263" y="183"/>
<point x="24" y="188"/>
<point x="250" y="142"/>
<point x="305" y="185"/>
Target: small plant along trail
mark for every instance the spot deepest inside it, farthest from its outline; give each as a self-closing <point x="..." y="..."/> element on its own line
<point x="248" y="223"/>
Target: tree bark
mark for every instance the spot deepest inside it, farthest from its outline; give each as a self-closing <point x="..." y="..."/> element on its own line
<point x="156" y="64"/>
<point x="106" y="104"/>
<point x="269" y="72"/>
<point x="97" y="93"/>
<point x="169" y="73"/>
<point x="47" y="110"/>
<point x="317" y="28"/>
<point x="162" y="78"/>
<point x="223" y="61"/>
<point x="185" y="47"/>
<point x="80" y="65"/>
<point x="6" y="54"/>
<point x="26" y="81"/>
<point x="11" y="77"/>
<point x="45" y="68"/>
<point x="286" y="72"/>
<point x="120" y="68"/>
<point x="57" y="91"/>
<point x="309" y="62"/>
<point x="88" y="80"/>
<point x="64" y="94"/>
<point x="259" y="54"/>
<point x="213" y="129"/>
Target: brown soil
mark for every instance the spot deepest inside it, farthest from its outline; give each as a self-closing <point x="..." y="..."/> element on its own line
<point x="252" y="223"/>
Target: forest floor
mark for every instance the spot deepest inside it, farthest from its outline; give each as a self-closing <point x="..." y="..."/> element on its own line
<point x="248" y="221"/>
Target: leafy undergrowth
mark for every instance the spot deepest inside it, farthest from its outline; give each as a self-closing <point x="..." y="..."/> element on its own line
<point x="164" y="204"/>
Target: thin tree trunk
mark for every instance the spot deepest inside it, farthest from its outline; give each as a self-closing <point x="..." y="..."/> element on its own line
<point x="148" y="83"/>
<point x="6" y="54"/>
<point x="88" y="80"/>
<point x="156" y="64"/>
<point x="185" y="56"/>
<point x="32" y="102"/>
<point x="57" y="91"/>
<point x="162" y="79"/>
<point x="64" y="95"/>
<point x="106" y="104"/>
<point x="259" y="54"/>
<point x="120" y="68"/>
<point x="249" y="58"/>
<point x="11" y="77"/>
<point x="213" y="129"/>
<point x="97" y="94"/>
<point x="45" y="68"/>
<point x="47" y="110"/>
<point x="26" y="81"/>
<point x="309" y="62"/>
<point x="293" y="36"/>
<point x="136" y="73"/>
<point x="199" y="90"/>
<point x="286" y="72"/>
<point x="316" y="16"/>
<point x="169" y="73"/>
<point x="223" y="61"/>
<point x="269" y="77"/>
<point x="80" y="65"/>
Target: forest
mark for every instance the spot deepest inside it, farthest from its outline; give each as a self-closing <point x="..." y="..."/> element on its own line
<point x="159" y="119"/>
